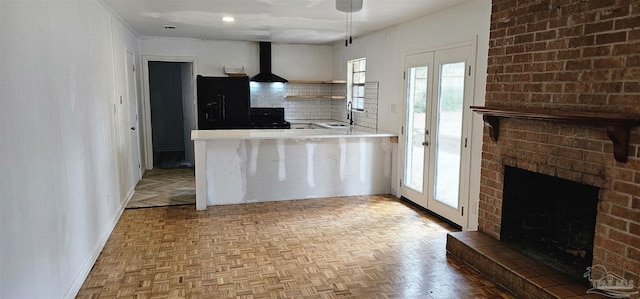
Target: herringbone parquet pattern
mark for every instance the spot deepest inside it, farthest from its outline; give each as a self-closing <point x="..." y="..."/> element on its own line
<point x="346" y="247"/>
<point x="165" y="187"/>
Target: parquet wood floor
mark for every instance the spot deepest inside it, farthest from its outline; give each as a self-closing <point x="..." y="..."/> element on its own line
<point x="165" y="187"/>
<point x="343" y="247"/>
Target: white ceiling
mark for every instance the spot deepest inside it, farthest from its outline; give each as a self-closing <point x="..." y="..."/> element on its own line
<point x="282" y="21"/>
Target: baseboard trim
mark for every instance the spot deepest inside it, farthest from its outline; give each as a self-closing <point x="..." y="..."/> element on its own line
<point x="82" y="275"/>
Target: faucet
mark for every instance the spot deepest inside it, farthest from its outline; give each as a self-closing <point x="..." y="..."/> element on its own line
<point x="349" y="113"/>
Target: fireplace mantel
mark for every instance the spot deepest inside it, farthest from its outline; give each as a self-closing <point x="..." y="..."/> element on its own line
<point x="618" y="125"/>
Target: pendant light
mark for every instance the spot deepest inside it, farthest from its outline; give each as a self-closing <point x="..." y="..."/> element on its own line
<point x="348" y="6"/>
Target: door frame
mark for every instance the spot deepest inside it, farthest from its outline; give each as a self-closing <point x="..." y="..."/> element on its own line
<point x="146" y="102"/>
<point x="469" y="204"/>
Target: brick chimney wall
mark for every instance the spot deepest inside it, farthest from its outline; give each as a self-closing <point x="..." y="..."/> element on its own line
<point x="571" y="55"/>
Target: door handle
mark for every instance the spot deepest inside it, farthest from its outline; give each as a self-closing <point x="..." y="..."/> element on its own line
<point x="133" y="128"/>
<point x="425" y="143"/>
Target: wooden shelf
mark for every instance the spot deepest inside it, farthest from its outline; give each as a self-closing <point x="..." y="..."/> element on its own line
<point x="315" y="97"/>
<point x="317" y="81"/>
<point x="618" y="125"/>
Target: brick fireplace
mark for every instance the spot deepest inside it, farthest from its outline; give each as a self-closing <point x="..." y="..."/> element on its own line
<point x="575" y="56"/>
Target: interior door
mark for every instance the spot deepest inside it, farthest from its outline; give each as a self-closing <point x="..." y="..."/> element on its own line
<point x="132" y="92"/>
<point x="436" y="155"/>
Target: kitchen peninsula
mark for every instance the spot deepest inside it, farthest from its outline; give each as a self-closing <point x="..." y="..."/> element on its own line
<point x="244" y="166"/>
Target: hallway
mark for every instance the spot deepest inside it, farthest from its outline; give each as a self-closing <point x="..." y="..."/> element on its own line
<point x="165" y="187"/>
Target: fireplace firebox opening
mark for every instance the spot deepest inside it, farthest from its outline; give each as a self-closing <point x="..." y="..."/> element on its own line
<point x="549" y="219"/>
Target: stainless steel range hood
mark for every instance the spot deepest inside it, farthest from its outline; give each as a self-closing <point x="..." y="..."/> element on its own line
<point x="265" y="74"/>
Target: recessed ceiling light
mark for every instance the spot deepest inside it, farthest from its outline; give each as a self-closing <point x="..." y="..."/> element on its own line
<point x="169" y="27"/>
<point x="228" y="19"/>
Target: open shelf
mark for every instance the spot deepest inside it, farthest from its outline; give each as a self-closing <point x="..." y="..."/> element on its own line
<point x="618" y="125"/>
<point x="317" y="81"/>
<point x="328" y="96"/>
<point x="315" y="97"/>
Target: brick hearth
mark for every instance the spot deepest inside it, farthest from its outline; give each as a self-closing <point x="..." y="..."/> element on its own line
<point x="568" y="55"/>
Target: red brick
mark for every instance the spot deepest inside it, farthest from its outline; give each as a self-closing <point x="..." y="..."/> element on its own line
<point x="626" y="23"/>
<point x="634" y="34"/>
<point x="598" y="27"/>
<point x="523" y="38"/>
<point x="553" y="88"/>
<point x="609" y="87"/>
<point x="597" y="75"/>
<point x="539" y="26"/>
<point x="582" y="41"/>
<point x="626" y="49"/>
<point x="610" y="246"/>
<point x="571" y="31"/>
<point x="503" y="23"/>
<point x="608" y="62"/>
<point x="521" y="77"/>
<point x="625" y="213"/>
<point x="614" y="12"/>
<point x="632" y="87"/>
<point x="517" y="49"/>
<point x="514" y="68"/>
<point x="595" y="4"/>
<point x="543" y="77"/>
<point x="534" y="87"/>
<point x="576" y="87"/>
<point x="610" y="38"/>
<point x="624" y="237"/>
<point x="554" y="66"/>
<point x="497" y="33"/>
<point x="631" y="74"/>
<point x="517" y="30"/>
<point x="569" y="54"/>
<point x="568" y="76"/>
<point x="559" y="44"/>
<point x="565" y="98"/>
<point x="521" y="58"/>
<point x="533" y="67"/>
<point x="633" y="254"/>
<point x="634" y="229"/>
<point x="546" y="35"/>
<point x="525" y="19"/>
<point x="625" y="187"/>
<point x="596" y="51"/>
<point x="558" y="22"/>
<point x="578" y="64"/>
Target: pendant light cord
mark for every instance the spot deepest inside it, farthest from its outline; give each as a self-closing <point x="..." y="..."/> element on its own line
<point x="348" y="26"/>
<point x="351" y="22"/>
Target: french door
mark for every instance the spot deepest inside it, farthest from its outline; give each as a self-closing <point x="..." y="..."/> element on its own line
<point x="436" y="152"/>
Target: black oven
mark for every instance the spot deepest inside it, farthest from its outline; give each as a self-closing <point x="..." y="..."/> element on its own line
<point x="268" y="118"/>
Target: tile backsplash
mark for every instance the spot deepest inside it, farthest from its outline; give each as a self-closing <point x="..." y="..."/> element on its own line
<point x="308" y="107"/>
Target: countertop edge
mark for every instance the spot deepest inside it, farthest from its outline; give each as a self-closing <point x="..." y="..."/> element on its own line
<point x="285" y="134"/>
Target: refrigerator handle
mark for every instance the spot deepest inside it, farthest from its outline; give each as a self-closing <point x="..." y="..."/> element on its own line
<point x="224" y="106"/>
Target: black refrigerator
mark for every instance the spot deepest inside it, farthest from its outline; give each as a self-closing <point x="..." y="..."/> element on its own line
<point x="223" y="102"/>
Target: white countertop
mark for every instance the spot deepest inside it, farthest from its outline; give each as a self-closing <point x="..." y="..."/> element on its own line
<point x="288" y="134"/>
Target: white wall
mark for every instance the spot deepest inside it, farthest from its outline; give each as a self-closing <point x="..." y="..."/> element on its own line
<point x="290" y="61"/>
<point x="385" y="51"/>
<point x="60" y="190"/>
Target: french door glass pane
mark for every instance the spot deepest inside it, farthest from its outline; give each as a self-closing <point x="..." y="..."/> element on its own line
<point x="417" y="104"/>
<point x="449" y="133"/>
